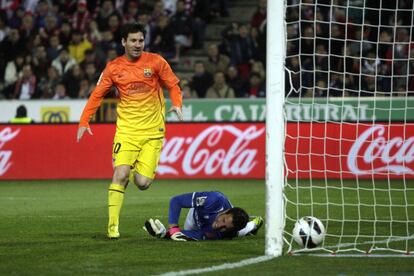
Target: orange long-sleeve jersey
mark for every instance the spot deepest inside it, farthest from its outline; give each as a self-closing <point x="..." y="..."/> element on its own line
<point x="141" y="109"/>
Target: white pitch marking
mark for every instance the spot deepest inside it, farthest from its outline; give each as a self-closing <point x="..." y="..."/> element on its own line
<point x="220" y="267"/>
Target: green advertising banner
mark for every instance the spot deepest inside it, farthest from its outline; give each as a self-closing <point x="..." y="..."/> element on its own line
<point x="303" y="110"/>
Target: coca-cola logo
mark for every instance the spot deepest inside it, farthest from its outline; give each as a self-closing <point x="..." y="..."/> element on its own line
<point x="6" y="135"/>
<point x="205" y="153"/>
<point x="372" y="152"/>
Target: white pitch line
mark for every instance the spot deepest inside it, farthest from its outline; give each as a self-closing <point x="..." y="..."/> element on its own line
<point x="220" y="267"/>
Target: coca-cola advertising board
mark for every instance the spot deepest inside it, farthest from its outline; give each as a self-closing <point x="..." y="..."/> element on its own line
<point x="220" y="150"/>
<point x="193" y="150"/>
<point x="350" y="150"/>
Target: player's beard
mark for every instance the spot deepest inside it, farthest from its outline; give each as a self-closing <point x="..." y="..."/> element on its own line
<point x="135" y="53"/>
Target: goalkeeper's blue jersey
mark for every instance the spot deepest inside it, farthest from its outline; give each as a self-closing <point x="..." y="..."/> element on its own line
<point x="207" y="205"/>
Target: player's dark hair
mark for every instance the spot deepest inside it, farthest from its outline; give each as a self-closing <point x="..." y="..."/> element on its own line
<point x="131" y="28"/>
<point x="240" y="219"/>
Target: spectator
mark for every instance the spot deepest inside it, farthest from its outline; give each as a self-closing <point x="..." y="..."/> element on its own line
<point x="91" y="57"/>
<point x="257" y="67"/>
<point x="185" y="88"/>
<point x="71" y="80"/>
<point x="51" y="28"/>
<point x="85" y="89"/>
<point x="25" y="88"/>
<point x="93" y="33"/>
<point x="81" y="18"/>
<point x="235" y="81"/>
<point x="27" y="29"/>
<point x="105" y="11"/>
<point x="170" y="7"/>
<point x="131" y="12"/>
<point x="259" y="15"/>
<point x="42" y="10"/>
<point x="78" y="45"/>
<point x="201" y="16"/>
<point x="12" y="46"/>
<point x="60" y="92"/>
<point x="16" y="19"/>
<point x="216" y="61"/>
<point x="13" y="71"/>
<point x="105" y="45"/>
<point x="65" y="34"/>
<point x="64" y="62"/>
<point x="3" y="26"/>
<point x="256" y="88"/>
<point x="220" y="89"/>
<point x="54" y="47"/>
<point x="114" y="25"/>
<point x="48" y="85"/>
<point x="21" y="116"/>
<point x="157" y="12"/>
<point x="242" y="50"/>
<point x="40" y="62"/>
<point x="164" y="38"/>
<point x="201" y="80"/>
<point x="143" y="19"/>
<point x="91" y="74"/>
<point x="181" y="24"/>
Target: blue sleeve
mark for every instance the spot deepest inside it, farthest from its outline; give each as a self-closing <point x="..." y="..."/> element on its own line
<point x="176" y="203"/>
<point x="210" y="202"/>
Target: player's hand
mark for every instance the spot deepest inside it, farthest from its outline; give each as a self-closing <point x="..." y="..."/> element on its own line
<point x="177" y="111"/>
<point x="155" y="228"/>
<point x="81" y="131"/>
<point x="175" y="234"/>
<point x="179" y="236"/>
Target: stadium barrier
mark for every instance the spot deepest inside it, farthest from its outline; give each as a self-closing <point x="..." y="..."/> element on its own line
<point x="213" y="150"/>
<point x="229" y="110"/>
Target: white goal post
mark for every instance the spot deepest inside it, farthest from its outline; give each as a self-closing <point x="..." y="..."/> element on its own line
<point x="275" y="126"/>
<point x="340" y="125"/>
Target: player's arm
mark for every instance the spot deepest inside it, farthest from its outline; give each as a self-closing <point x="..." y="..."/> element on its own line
<point x="171" y="81"/>
<point x="176" y="204"/>
<point x="94" y="102"/>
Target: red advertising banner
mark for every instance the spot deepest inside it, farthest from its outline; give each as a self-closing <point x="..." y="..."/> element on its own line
<point x="190" y="151"/>
<point x="350" y="150"/>
<point x="220" y="150"/>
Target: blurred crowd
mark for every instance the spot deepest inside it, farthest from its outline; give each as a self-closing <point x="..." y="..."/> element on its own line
<point x="350" y="48"/>
<point x="57" y="49"/>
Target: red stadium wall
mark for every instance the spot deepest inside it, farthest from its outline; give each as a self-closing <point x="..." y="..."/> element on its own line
<point x="202" y="150"/>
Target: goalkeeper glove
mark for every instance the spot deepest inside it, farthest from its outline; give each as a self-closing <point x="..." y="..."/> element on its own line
<point x="175" y="234"/>
<point x="155" y="228"/>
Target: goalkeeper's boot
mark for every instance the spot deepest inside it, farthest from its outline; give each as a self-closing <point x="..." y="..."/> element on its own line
<point x="113" y="232"/>
<point x="258" y="222"/>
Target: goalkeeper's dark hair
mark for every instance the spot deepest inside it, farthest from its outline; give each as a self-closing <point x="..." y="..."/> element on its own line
<point x="131" y="28"/>
<point x="240" y="218"/>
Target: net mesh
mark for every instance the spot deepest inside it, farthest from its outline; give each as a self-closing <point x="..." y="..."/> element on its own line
<point x="349" y="150"/>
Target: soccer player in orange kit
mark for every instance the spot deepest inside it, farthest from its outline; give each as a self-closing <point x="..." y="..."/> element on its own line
<point x="140" y="128"/>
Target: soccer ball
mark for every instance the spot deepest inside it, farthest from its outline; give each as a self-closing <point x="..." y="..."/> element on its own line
<point x="309" y="232"/>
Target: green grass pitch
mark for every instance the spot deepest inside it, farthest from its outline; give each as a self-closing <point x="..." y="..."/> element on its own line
<point x="58" y="228"/>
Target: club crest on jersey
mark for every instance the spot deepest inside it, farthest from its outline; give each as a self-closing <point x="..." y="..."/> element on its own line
<point x="147" y="72"/>
<point x="200" y="200"/>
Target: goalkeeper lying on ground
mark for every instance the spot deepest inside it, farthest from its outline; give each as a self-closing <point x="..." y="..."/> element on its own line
<point x="211" y="217"/>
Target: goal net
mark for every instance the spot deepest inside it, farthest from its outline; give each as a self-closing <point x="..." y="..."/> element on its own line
<point x="349" y="132"/>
